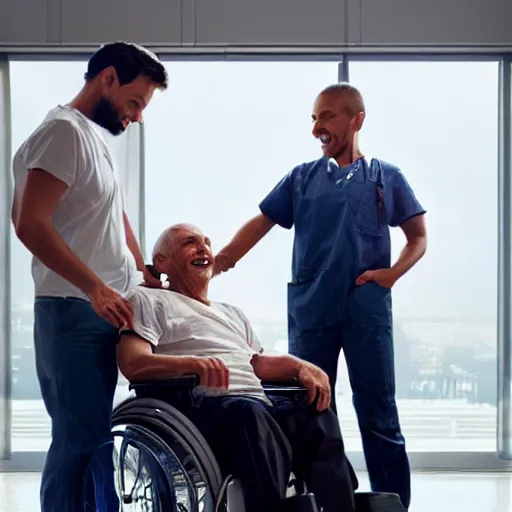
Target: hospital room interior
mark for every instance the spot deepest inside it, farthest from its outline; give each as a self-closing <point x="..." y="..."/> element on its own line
<point x="240" y="112"/>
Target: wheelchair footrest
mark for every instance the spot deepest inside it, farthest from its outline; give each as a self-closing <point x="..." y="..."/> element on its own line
<point x="378" y="502"/>
<point x="300" y="503"/>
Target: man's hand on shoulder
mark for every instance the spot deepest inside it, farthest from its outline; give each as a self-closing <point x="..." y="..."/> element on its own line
<point x="111" y="306"/>
<point x="317" y="383"/>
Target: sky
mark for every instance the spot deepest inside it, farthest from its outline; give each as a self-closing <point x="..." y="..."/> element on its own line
<point x="224" y="133"/>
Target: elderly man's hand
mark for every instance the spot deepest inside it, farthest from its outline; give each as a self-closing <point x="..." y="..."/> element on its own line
<point x="317" y="383"/>
<point x="212" y="372"/>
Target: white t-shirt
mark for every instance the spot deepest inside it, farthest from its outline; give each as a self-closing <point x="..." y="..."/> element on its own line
<point x="89" y="216"/>
<point x="180" y="326"/>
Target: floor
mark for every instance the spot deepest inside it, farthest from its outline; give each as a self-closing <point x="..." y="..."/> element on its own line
<point x="432" y="492"/>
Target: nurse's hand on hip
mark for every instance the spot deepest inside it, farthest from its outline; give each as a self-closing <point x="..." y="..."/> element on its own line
<point x="384" y="277"/>
<point x="111" y="306"/>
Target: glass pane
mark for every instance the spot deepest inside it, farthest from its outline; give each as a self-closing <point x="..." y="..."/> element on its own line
<point x="57" y="83"/>
<point x="438" y="123"/>
<point x="216" y="143"/>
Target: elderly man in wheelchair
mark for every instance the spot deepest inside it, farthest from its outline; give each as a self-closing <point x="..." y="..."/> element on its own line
<point x="205" y="360"/>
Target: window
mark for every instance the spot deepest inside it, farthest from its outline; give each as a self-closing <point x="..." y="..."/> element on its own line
<point x="220" y="139"/>
<point x="438" y="123"/>
<point x="216" y="143"/>
<point x="213" y="152"/>
<point x="57" y="83"/>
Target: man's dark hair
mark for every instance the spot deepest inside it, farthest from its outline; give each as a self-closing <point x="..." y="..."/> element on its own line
<point x="129" y="60"/>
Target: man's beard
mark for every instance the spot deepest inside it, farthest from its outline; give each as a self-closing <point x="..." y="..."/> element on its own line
<point x="106" y="115"/>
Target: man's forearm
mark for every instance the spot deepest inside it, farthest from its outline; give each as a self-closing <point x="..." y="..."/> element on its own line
<point x="153" y="367"/>
<point x="133" y="244"/>
<point x="43" y="241"/>
<point x="276" y="368"/>
<point x="247" y="237"/>
<point x="410" y="255"/>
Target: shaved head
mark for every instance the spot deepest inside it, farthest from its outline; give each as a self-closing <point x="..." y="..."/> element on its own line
<point x="353" y="98"/>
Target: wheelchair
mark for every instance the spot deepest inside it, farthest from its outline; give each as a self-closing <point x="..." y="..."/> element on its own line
<point x="163" y="463"/>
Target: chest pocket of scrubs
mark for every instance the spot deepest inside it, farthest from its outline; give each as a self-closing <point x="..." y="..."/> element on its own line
<point x="368" y="212"/>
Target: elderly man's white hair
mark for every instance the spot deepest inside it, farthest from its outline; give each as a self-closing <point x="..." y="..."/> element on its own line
<point x="164" y="243"/>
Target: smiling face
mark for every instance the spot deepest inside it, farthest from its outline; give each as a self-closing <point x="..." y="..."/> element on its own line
<point x="184" y="253"/>
<point x="120" y="105"/>
<point x="335" y="123"/>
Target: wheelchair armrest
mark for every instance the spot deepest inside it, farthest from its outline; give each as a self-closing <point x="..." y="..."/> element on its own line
<point x="189" y="382"/>
<point x="283" y="388"/>
<point x="186" y="383"/>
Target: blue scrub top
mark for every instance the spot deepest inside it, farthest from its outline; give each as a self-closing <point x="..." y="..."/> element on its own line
<point x="341" y="218"/>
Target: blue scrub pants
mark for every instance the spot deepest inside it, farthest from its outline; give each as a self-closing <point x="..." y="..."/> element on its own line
<point x="367" y="343"/>
<point x="76" y="365"/>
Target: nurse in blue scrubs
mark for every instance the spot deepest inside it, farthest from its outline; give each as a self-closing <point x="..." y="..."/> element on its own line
<point x="341" y="207"/>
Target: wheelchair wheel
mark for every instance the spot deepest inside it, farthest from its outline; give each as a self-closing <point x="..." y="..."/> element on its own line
<point x="142" y="483"/>
<point x="162" y="462"/>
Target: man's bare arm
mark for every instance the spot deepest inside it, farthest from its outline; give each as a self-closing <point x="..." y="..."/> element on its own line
<point x="243" y="241"/>
<point x="133" y="244"/>
<point x="288" y="368"/>
<point x="278" y="368"/>
<point x="32" y="219"/>
<point x="32" y="216"/>
<point x="416" y="235"/>
<point x="137" y="362"/>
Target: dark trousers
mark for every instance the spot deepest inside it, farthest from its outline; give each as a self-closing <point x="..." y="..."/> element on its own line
<point x="368" y="350"/>
<point x="76" y="365"/>
<point x="261" y="444"/>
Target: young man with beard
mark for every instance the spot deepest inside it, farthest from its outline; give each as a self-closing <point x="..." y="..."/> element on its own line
<point x="255" y="438"/>
<point x="68" y="211"/>
<point x="340" y="295"/>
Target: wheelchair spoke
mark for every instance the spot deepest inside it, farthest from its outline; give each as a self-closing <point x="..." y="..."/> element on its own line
<point x="153" y="477"/>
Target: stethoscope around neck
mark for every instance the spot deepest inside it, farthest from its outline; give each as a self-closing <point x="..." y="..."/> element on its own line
<point x="332" y="166"/>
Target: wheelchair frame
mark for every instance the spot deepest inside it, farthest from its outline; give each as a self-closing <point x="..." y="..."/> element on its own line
<point x="162" y="430"/>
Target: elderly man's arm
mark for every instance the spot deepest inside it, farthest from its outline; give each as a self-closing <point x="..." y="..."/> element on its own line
<point x="137" y="361"/>
<point x="287" y="368"/>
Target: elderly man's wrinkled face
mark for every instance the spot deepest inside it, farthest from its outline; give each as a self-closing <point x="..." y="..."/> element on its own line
<point x="189" y="255"/>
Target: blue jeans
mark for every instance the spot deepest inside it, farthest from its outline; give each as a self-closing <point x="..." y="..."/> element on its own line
<point x="76" y="366"/>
